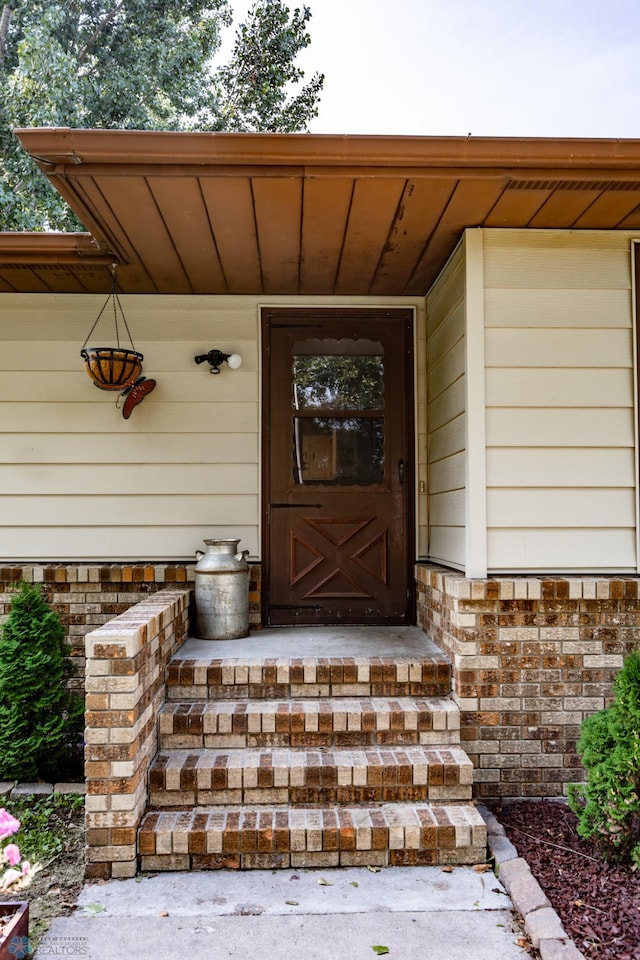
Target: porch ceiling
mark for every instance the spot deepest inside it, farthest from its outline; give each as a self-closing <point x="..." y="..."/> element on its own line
<point x="303" y="214"/>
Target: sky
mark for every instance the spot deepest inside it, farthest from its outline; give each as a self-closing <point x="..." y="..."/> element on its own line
<point x="556" y="68"/>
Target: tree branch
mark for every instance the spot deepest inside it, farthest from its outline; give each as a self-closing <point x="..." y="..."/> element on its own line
<point x="5" y="20"/>
<point x="92" y="39"/>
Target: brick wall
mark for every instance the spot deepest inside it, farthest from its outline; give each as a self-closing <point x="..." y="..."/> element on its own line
<point x="86" y="596"/>
<point x="532" y="657"/>
<point x="125" y="680"/>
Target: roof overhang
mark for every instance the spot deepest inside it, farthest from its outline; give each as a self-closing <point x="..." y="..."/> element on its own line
<point x="301" y="214"/>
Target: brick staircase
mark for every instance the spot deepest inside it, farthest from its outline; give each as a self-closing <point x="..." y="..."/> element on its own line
<point x="289" y="761"/>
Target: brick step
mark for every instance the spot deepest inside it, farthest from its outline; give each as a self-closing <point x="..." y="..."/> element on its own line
<point x="182" y="778"/>
<point x="308" y="723"/>
<point x="269" y="838"/>
<point x="279" y="678"/>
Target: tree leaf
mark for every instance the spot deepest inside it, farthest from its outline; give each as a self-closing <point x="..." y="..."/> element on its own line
<point x="380" y="949"/>
<point x="354" y="883"/>
<point x="94" y="908"/>
<point x="373" y="869"/>
<point x="292" y="903"/>
<point x="324" y="883"/>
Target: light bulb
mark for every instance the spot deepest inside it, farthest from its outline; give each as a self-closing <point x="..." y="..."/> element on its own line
<point x="235" y="361"/>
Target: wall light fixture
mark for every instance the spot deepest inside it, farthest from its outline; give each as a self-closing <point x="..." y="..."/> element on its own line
<point x="216" y="357"/>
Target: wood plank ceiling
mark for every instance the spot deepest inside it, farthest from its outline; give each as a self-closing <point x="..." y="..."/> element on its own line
<point x="266" y="214"/>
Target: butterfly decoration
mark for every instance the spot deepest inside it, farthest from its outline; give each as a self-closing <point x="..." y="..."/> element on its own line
<point x="135" y="394"/>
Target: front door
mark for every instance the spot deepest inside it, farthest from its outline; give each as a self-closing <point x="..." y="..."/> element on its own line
<point x="338" y="466"/>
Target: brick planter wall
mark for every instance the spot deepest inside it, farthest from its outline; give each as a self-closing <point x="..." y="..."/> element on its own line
<point x="86" y="596"/>
<point x="126" y="662"/>
<point x="532" y="657"/>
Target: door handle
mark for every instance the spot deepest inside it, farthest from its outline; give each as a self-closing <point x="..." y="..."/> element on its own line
<point x="401" y="472"/>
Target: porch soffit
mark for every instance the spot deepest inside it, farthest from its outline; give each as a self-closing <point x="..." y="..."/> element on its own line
<point x="301" y="214"/>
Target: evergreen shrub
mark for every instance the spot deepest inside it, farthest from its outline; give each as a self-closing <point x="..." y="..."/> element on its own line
<point x="608" y="804"/>
<point x="40" y="719"/>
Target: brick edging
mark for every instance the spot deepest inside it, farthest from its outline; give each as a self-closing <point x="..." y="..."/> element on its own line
<point x="541" y="922"/>
<point x="10" y="789"/>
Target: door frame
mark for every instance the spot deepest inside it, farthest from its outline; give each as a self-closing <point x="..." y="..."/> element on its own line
<point x="290" y="315"/>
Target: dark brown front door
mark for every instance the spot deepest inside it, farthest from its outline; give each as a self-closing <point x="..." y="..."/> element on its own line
<point x="338" y="472"/>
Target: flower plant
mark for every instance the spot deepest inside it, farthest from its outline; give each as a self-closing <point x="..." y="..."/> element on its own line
<point x="18" y="872"/>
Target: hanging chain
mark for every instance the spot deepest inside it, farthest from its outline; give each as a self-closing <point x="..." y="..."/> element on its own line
<point x="116" y="299"/>
<point x="115" y="314"/>
<point x="113" y="296"/>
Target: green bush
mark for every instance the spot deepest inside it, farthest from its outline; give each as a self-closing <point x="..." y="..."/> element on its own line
<point x="608" y="804"/>
<point x="40" y="720"/>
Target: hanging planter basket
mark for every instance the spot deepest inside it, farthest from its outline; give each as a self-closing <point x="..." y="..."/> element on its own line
<point x="117" y="368"/>
<point x="112" y="368"/>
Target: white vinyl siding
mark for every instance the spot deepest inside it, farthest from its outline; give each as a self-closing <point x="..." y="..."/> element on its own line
<point x="446" y="422"/>
<point x="80" y="483"/>
<point x="560" y="416"/>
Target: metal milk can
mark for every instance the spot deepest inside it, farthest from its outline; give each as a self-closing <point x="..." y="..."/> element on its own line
<point x="222" y="591"/>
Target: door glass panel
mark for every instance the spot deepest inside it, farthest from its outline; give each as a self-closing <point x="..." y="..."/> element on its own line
<point x="338" y="383"/>
<point x="339" y="450"/>
<point x="344" y="381"/>
<point x="335" y="375"/>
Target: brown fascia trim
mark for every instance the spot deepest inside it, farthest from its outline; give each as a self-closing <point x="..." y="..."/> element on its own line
<point x="53" y="148"/>
<point x="41" y="248"/>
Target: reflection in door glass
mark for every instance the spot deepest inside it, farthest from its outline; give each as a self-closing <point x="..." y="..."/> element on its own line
<point x="338" y="382"/>
<point x="339" y="450"/>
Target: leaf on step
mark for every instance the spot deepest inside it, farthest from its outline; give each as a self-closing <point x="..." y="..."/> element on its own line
<point x="164" y="913"/>
<point x="324" y="883"/>
<point x="354" y="883"/>
<point x="373" y="869"/>
<point x="94" y="908"/>
<point x="380" y="949"/>
<point x="447" y="869"/>
<point x="292" y="903"/>
<point x="482" y="867"/>
<point x="499" y="924"/>
<point x="522" y="942"/>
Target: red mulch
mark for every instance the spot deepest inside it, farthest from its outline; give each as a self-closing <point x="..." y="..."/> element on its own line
<point x="597" y="902"/>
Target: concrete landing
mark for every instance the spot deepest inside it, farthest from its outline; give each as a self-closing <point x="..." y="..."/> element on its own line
<point x="418" y="913"/>
<point x="348" y="641"/>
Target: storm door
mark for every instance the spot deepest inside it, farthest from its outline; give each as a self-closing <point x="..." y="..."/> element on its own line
<point x="338" y="467"/>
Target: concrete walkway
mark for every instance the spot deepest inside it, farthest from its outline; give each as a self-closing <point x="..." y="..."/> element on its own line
<point x="418" y="913"/>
